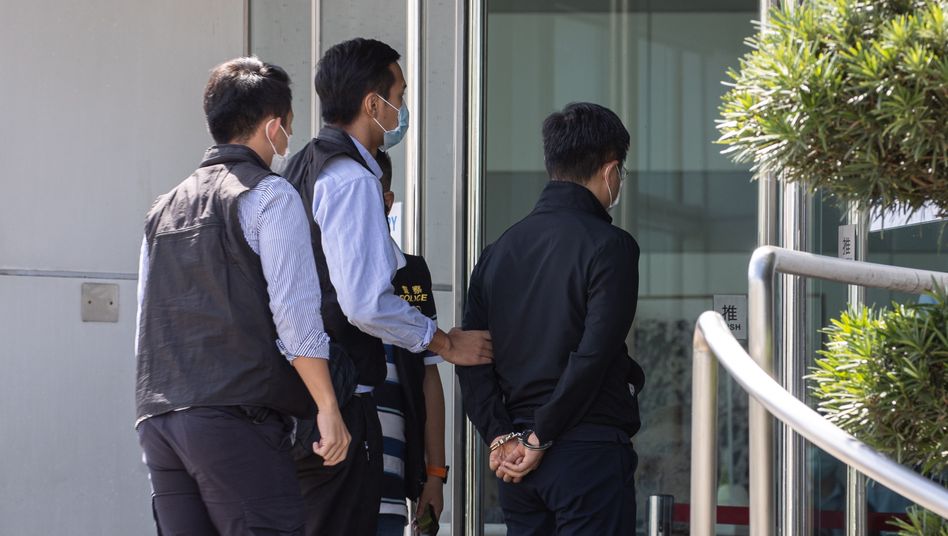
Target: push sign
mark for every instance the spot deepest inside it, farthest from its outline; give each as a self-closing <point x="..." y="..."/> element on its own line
<point x="733" y="307"/>
<point x="847" y="242"/>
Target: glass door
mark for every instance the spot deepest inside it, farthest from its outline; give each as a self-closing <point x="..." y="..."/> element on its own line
<point x="659" y="65"/>
<point x="919" y="245"/>
<point x="924" y="245"/>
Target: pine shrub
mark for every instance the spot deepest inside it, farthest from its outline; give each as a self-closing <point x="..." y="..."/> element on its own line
<point x="848" y="96"/>
<point x="883" y="377"/>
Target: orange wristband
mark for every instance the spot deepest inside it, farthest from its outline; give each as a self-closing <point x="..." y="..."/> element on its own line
<point x="440" y="472"/>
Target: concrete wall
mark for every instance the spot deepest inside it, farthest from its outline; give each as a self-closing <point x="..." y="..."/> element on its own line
<point x="102" y="109"/>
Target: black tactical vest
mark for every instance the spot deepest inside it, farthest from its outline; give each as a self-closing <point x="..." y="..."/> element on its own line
<point x="304" y="168"/>
<point x="206" y="333"/>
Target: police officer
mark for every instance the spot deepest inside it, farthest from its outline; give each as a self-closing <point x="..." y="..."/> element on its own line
<point x="361" y="89"/>
<point x="230" y="339"/>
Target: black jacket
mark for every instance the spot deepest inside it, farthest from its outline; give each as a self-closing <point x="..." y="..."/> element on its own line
<point x="558" y="293"/>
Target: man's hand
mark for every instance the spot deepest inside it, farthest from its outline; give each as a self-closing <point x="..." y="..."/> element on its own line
<point x="433" y="494"/>
<point x="334" y="437"/>
<point x="516" y="470"/>
<point x="465" y="348"/>
<point x="511" y="451"/>
<point x="334" y="442"/>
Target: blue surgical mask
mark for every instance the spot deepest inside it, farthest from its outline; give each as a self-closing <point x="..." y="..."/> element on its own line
<point x="394" y="137"/>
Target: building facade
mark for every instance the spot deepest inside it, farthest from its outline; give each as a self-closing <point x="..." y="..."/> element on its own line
<point x="105" y="101"/>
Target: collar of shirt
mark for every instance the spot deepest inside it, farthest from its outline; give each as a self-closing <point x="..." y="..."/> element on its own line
<point x="558" y="195"/>
<point x="369" y="159"/>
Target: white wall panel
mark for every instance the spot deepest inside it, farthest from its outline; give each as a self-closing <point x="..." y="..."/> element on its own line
<point x="102" y="101"/>
<point x="69" y="455"/>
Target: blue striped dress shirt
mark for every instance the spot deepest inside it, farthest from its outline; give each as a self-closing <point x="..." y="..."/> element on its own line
<point x="361" y="256"/>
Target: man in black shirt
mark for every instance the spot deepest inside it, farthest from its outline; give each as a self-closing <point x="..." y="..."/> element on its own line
<point x="558" y="293"/>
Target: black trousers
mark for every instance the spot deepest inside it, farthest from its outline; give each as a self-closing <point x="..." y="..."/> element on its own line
<point x="344" y="498"/>
<point x="222" y="470"/>
<point x="584" y="486"/>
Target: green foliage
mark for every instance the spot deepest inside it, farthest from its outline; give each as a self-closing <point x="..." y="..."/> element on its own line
<point x="849" y="96"/>
<point x="922" y="523"/>
<point x="883" y="377"/>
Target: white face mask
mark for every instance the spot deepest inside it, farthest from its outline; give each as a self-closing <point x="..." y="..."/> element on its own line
<point x="278" y="163"/>
<point x="613" y="202"/>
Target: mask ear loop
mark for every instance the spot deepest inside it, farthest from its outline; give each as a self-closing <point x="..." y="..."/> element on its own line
<point x="376" y="107"/>
<point x="266" y="132"/>
<point x="392" y="106"/>
<point x="376" y="118"/>
<point x="605" y="178"/>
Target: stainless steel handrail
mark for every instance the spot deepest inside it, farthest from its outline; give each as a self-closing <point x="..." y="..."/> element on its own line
<point x="765" y="264"/>
<point x="713" y="338"/>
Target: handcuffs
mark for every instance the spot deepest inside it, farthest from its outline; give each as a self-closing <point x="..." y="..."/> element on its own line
<point x="523" y="438"/>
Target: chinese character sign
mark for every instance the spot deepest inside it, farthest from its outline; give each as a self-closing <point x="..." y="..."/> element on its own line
<point x="847" y="242"/>
<point x="733" y="307"/>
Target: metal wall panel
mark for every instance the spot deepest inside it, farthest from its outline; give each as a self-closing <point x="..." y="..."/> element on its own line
<point x="103" y="113"/>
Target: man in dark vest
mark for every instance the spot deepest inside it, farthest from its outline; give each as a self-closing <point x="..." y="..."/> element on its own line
<point x="361" y="88"/>
<point x="230" y="342"/>
<point x="558" y="291"/>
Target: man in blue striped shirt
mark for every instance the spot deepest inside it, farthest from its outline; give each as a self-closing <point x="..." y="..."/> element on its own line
<point x="229" y="324"/>
<point x="361" y="89"/>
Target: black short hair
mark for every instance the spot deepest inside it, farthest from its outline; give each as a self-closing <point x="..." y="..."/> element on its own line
<point x="385" y="162"/>
<point x="580" y="139"/>
<point x="349" y="71"/>
<point x="242" y="92"/>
